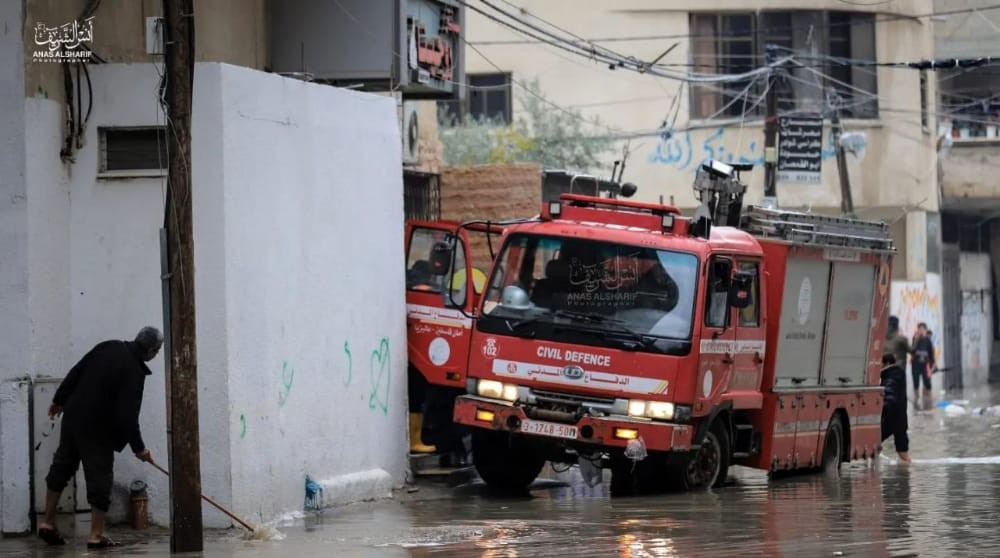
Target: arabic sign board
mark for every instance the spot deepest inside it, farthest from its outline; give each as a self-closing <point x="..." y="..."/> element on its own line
<point x="800" y="149"/>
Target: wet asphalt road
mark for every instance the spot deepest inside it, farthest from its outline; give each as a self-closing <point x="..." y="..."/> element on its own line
<point x="946" y="504"/>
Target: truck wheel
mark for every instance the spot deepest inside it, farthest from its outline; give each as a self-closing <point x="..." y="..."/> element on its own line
<point x="709" y="466"/>
<point x="505" y="463"/>
<point x="833" y="447"/>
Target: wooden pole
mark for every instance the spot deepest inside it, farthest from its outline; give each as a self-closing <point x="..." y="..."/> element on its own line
<point x="182" y="376"/>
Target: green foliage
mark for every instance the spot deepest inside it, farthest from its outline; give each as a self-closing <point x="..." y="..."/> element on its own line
<point x="541" y="133"/>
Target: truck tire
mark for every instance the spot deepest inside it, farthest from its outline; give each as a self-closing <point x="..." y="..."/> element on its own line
<point x="708" y="466"/>
<point x="505" y="463"/>
<point x="833" y="447"/>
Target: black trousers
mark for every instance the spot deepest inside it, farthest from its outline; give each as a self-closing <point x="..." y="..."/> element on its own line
<point x="895" y="425"/>
<point x="97" y="456"/>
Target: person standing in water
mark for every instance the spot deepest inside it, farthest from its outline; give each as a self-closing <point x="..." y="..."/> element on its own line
<point x="894" y="421"/>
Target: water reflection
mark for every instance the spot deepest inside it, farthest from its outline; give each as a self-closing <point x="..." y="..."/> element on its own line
<point x="944" y="505"/>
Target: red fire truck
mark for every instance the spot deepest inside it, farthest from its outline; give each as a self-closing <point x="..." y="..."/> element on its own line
<point x="669" y="348"/>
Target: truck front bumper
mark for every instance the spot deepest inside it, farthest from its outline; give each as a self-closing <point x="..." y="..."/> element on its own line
<point x="609" y="431"/>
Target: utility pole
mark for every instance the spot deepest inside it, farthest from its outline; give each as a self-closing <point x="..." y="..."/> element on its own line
<point x="771" y="135"/>
<point x="846" y="200"/>
<point x="182" y="372"/>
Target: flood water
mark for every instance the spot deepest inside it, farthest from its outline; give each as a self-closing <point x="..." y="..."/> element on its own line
<point x="946" y="504"/>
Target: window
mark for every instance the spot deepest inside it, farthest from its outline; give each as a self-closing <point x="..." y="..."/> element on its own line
<point x="717" y="306"/>
<point x="613" y="290"/>
<point x="735" y="43"/>
<point x="133" y="149"/>
<point x="427" y="265"/>
<point x="487" y="97"/>
<point x="750" y="315"/>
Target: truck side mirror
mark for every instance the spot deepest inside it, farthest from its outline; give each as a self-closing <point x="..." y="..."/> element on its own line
<point x="740" y="291"/>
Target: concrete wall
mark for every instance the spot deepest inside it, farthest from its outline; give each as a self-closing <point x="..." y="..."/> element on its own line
<point x="233" y="31"/>
<point x="963" y="35"/>
<point x="977" y="316"/>
<point x="898" y="170"/>
<point x="312" y="222"/>
<point x="969" y="172"/>
<point x="301" y="332"/>
<point x="15" y="326"/>
<point x="995" y="262"/>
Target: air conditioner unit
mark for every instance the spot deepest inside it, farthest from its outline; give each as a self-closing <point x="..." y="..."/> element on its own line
<point x="411" y="133"/>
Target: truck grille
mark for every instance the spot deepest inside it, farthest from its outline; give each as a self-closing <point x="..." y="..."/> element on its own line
<point x="563" y="400"/>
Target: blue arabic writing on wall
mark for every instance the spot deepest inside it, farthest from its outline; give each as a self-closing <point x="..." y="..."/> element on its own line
<point x="677" y="150"/>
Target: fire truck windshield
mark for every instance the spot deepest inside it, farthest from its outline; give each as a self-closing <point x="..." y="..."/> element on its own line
<point x="544" y="281"/>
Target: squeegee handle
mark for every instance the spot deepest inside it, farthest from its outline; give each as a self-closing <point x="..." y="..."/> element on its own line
<point x="210" y="501"/>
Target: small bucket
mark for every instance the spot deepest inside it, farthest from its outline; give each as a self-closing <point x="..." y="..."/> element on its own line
<point x="140" y="505"/>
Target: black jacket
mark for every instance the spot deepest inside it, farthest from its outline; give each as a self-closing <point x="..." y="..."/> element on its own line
<point x="894" y="382"/>
<point x="101" y="396"/>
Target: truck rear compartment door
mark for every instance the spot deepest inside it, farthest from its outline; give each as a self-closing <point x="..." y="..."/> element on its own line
<point x="803" y="323"/>
<point x="849" y="327"/>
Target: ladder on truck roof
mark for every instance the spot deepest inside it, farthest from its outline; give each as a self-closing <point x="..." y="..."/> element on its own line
<point x="817" y="230"/>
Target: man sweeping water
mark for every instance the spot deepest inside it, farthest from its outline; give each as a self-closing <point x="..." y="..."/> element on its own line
<point x="100" y="399"/>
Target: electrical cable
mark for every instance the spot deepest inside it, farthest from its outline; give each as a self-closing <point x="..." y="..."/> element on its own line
<point x="781" y="29"/>
<point x="630" y="63"/>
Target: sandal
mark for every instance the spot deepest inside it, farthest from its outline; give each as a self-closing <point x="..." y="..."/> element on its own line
<point x="105" y="542"/>
<point x="51" y="536"/>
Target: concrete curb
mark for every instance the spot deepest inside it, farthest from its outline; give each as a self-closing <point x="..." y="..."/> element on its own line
<point x="372" y="484"/>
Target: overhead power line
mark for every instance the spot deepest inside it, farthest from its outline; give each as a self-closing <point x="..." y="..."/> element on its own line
<point x="613" y="59"/>
<point x="775" y="29"/>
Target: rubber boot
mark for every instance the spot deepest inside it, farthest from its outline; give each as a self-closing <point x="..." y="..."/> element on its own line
<point x="416" y="444"/>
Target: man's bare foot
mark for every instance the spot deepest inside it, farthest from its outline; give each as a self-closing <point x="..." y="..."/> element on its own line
<point x="905" y="457"/>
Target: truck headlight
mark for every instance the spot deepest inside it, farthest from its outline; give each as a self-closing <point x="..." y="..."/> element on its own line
<point x="636" y="408"/>
<point x="659" y="410"/>
<point x="496" y="390"/>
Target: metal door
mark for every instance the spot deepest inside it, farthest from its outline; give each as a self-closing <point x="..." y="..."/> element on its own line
<point x="45" y="434"/>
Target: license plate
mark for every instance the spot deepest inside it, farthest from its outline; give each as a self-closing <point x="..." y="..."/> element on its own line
<point x="553" y="429"/>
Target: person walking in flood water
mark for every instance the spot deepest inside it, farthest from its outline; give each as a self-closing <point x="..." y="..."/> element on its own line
<point x="922" y="364"/>
<point x="894" y="421"/>
<point x="100" y="399"/>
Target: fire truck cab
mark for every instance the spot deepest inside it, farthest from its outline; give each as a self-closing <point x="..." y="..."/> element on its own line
<point x="668" y="348"/>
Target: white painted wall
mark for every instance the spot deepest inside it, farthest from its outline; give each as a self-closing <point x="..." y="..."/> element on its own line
<point x="298" y="221"/>
<point x="15" y="328"/>
<point x="114" y="262"/>
<point x="314" y="305"/>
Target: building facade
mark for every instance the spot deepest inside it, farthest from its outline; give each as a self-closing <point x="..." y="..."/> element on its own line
<point x="969" y="118"/>
<point x="840" y="53"/>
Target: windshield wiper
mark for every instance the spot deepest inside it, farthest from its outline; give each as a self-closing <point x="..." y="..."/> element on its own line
<point x="619" y="327"/>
